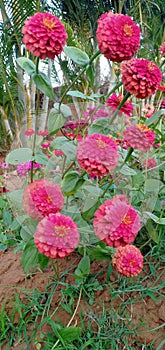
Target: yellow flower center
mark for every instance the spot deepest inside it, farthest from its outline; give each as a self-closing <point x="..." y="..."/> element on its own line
<point x="49" y="23"/>
<point x="126" y="220"/>
<point x="132" y="262"/>
<point x="151" y="66"/>
<point x="101" y="143"/>
<point x="61" y="231"/>
<point x="48" y="199"/>
<point x="127" y="30"/>
<point x="142" y="127"/>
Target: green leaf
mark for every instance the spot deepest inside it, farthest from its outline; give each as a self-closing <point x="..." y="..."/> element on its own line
<point x="152" y="185"/>
<point x="71" y="183"/>
<point x="152" y="231"/>
<point x="79" y="94"/>
<point x="27" y="65"/>
<point x="155" y="117"/>
<point x="83" y="268"/>
<point x="40" y="157"/>
<point x="43" y="261"/>
<point x="125" y="170"/>
<point x="100" y="126"/>
<point x="103" y="254"/>
<point x="160" y="221"/>
<point x="76" y="55"/>
<point x="70" y="334"/>
<point x="42" y="83"/>
<point x="55" y="121"/>
<point x="64" y="109"/>
<point x="15" y="198"/>
<point x="90" y="75"/>
<point x="19" y="155"/>
<point x="29" y="257"/>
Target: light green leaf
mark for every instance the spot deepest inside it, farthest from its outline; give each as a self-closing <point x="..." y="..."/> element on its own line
<point x="125" y="170"/>
<point x="155" y="117"/>
<point x="100" y="126"/>
<point x="27" y="65"/>
<point x="40" y="157"/>
<point x="160" y="221"/>
<point x="15" y="198"/>
<point x="56" y="121"/>
<point x="42" y="82"/>
<point x="76" y="55"/>
<point x="79" y="94"/>
<point x="64" y="109"/>
<point x="19" y="155"/>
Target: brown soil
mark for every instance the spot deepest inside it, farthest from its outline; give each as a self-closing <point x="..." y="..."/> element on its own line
<point x="144" y="313"/>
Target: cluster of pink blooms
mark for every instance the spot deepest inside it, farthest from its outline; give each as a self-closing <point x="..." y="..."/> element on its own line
<point x="149" y="163"/>
<point x="45" y="144"/>
<point x="148" y="110"/>
<point x="41" y="198"/>
<point x="140" y="77"/>
<point x="97" y="154"/>
<point x="44" y="35"/>
<point x="25" y="167"/>
<point x="116" y="222"/>
<point x="162" y="49"/>
<point x="128" y="260"/>
<point x="139" y="136"/>
<point x="29" y="132"/>
<point x="118" y="36"/>
<point x="114" y="101"/>
<point x="92" y="113"/>
<point x="43" y="133"/>
<point x="56" y="236"/>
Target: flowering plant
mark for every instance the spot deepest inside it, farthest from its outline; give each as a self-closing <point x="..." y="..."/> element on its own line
<point x="94" y="182"/>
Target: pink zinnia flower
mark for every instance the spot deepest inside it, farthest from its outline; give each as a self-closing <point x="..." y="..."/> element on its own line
<point x="116" y="222"/>
<point x="114" y="101"/>
<point x="94" y="113"/>
<point x="163" y="104"/>
<point x="148" y="110"/>
<point x="41" y="198"/>
<point x="139" y="137"/>
<point x="29" y="132"/>
<point x="56" y="236"/>
<point x="44" y="35"/>
<point x="45" y="144"/>
<point x="162" y="49"/>
<point x="4" y="165"/>
<point x="58" y="153"/>
<point x="149" y="163"/>
<point x="43" y="133"/>
<point x="128" y="261"/>
<point x="140" y="77"/>
<point x="118" y="36"/>
<point x="97" y="154"/>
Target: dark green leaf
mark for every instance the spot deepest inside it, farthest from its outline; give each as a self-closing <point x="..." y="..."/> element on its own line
<point x="55" y="121"/>
<point x="71" y="183"/>
<point x="43" y="84"/>
<point x="29" y="256"/>
<point x="70" y="334"/>
<point x="83" y="268"/>
<point x="103" y="254"/>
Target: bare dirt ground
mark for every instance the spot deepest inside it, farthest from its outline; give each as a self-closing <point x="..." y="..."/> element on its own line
<point x="145" y="313"/>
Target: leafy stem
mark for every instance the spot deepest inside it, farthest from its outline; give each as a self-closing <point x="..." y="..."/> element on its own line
<point x="119" y="107"/>
<point x="78" y="76"/>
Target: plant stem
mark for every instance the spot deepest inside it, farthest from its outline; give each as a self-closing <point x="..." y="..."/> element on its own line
<point x="114" y="89"/>
<point x="36" y="124"/>
<point x="119" y="107"/>
<point x="72" y="318"/>
<point x="78" y="76"/>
